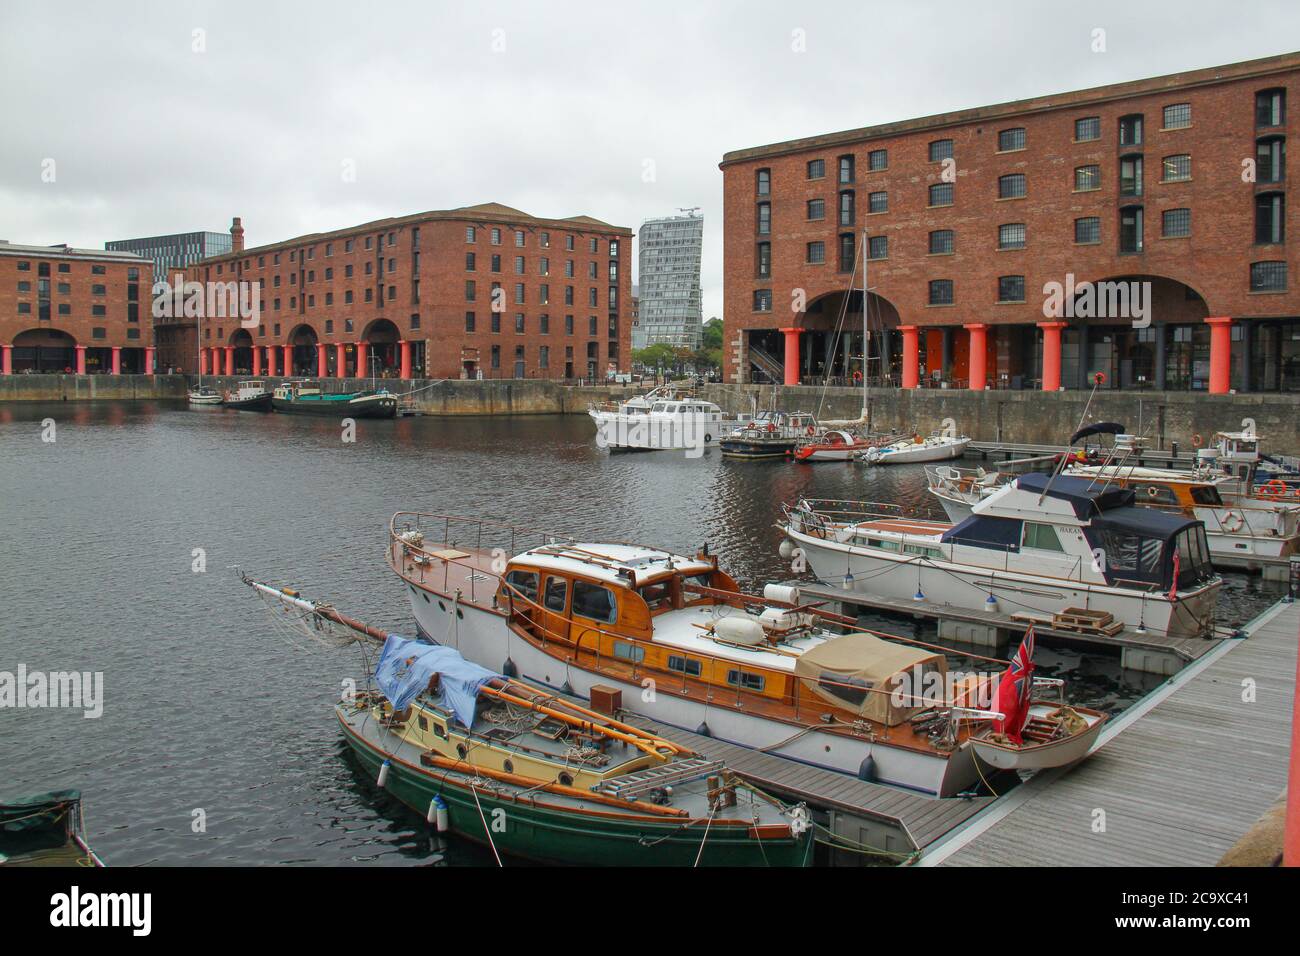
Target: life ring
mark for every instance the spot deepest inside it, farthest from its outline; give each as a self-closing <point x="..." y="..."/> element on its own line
<point x="857" y="378"/>
<point x="1231" y="522"/>
<point x="811" y="431"/>
<point x="1099" y="378"/>
<point x="1197" y="441"/>
<point x="1153" y="491"/>
<point x="770" y="428"/>
<point x="1274" y="488"/>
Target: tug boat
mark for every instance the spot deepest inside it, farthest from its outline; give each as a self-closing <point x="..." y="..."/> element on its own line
<point x="249" y="396"/>
<point x="663" y="419"/>
<point x="769" y="435"/>
<point x="917" y="450"/>
<point x="758" y="671"/>
<point x="45" y="829"/>
<point x="834" y="445"/>
<point x="1033" y="546"/>
<point x="306" y="398"/>
<point x="459" y="743"/>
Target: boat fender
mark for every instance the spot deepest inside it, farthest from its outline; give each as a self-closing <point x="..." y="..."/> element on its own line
<point x="508" y="669"/>
<point x="782" y="592"/>
<point x="786" y="550"/>
<point x="708" y="439"/>
<point x="383" y="773"/>
<point x="437" y="814"/>
<point x="867" y="769"/>
<point x="703" y="730"/>
<point x="567" y="690"/>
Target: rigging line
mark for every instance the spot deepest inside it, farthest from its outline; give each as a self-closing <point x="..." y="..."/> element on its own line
<point x="707" y="826"/>
<point x="483" y="819"/>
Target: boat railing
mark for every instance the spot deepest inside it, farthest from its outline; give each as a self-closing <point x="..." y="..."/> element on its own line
<point x="458" y="530"/>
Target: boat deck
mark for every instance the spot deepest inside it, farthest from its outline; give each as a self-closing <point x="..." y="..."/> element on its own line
<point x="1180" y="776"/>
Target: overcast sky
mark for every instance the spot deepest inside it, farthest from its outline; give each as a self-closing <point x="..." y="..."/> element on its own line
<point x="619" y="110"/>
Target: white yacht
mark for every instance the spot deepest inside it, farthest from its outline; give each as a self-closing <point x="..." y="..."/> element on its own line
<point x="917" y="450"/>
<point x="661" y="420"/>
<point x="1042" y="543"/>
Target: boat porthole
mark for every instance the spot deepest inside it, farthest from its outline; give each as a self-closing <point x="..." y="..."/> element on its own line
<point x="461" y="751"/>
<point x="460" y="614"/>
<point x="828" y="748"/>
<point x="441" y="606"/>
<point x="509" y="766"/>
<point x="566" y="780"/>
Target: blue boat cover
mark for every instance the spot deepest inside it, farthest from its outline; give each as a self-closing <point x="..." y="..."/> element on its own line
<point x="406" y="666"/>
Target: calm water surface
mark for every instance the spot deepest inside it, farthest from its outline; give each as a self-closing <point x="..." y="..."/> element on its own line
<point x="208" y="706"/>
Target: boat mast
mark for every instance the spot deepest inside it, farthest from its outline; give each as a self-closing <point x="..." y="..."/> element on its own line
<point x="866" y="340"/>
<point x="198" y="345"/>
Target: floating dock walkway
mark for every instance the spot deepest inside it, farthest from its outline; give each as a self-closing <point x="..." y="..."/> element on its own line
<point x="1176" y="779"/>
<point x="1145" y="458"/>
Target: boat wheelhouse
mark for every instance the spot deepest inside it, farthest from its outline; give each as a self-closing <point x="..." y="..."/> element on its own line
<point x="1041" y="543"/>
<point x="758" y="671"/>
<point x="661" y="420"/>
<point x="249" y="396"/>
<point x="769" y="435"/>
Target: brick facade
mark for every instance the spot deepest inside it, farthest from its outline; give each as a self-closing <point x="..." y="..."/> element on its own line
<point x="370" y="288"/>
<point x="76" y="309"/>
<point x="1206" y="273"/>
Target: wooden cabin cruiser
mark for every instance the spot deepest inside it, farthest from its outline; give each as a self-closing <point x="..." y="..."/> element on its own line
<point x="250" y="396"/>
<point x="769" y="435"/>
<point x="833" y="445"/>
<point x="457" y="742"/>
<point x="204" y="395"/>
<point x="661" y="420"/>
<point x="1035" y="545"/>
<point x="761" y="672"/>
<point x="916" y="450"/>
<point x="306" y="398"/>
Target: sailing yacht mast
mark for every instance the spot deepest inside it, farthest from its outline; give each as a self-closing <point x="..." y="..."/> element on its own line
<point x="866" y="340"/>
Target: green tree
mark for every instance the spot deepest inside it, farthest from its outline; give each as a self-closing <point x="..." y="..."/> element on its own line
<point x="712" y="334"/>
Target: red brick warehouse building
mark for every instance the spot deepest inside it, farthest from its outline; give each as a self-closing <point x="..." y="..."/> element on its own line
<point x="76" y="310"/>
<point x="1179" y="181"/>
<point x="480" y="291"/>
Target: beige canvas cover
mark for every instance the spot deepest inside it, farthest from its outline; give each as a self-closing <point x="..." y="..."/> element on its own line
<point x="856" y="672"/>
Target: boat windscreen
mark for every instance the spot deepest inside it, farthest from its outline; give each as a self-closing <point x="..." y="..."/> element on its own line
<point x="1137" y="545"/>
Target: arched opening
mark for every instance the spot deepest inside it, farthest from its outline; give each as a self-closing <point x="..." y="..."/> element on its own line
<point x="383" y="355"/>
<point x="303" y="347"/>
<point x="1139" y="331"/>
<point x="40" y="351"/>
<point x="242" y="340"/>
<point x="831" y="343"/>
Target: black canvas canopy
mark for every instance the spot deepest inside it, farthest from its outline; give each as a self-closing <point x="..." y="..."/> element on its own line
<point x="1100" y="428"/>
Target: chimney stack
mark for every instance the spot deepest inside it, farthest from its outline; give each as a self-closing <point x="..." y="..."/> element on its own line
<point x="236" y="235"/>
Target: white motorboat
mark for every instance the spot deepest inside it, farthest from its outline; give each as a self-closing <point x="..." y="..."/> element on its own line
<point x="960" y="489"/>
<point x="917" y="450"/>
<point x="661" y="420"/>
<point x="603" y="620"/>
<point x="204" y="395"/>
<point x="1042" y="544"/>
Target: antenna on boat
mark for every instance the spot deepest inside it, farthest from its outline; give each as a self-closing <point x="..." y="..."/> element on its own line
<point x="1060" y="465"/>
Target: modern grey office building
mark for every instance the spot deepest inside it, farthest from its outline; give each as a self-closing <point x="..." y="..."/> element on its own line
<point x="669" y="306"/>
<point x="174" y="252"/>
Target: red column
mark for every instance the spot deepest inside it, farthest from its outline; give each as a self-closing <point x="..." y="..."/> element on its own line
<point x="81" y="360"/>
<point x="257" y="361"/>
<point x="1051" y="355"/>
<point x="406" y="359"/>
<point x="978" y="355"/>
<point x="792" y="355"/>
<point x="230" y="360"/>
<point x="911" y="356"/>
<point x="117" y="360"/>
<point x="148" y="360"/>
<point x="1220" y="353"/>
<point x="1291" y="832"/>
<point x="270" y="360"/>
<point x="340" y="360"/>
<point x="320" y="360"/>
<point x="362" y="369"/>
<point x="7" y="361"/>
<point x="288" y="359"/>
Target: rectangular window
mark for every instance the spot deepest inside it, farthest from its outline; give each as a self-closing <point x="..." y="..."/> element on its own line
<point x="846" y="169"/>
<point x="816" y="253"/>
<point x="941" y="194"/>
<point x="877" y="160"/>
<point x="469" y="262"/>
<point x="519" y="239"/>
<point x="519" y="265"/>
<point x="877" y="202"/>
<point x="1270" y="107"/>
<point x="1042" y="537"/>
<point x="940" y="150"/>
<point x="1087" y="178"/>
<point x="941" y="242"/>
<point x="519" y="323"/>
<point x="470" y="235"/>
<point x="848" y="251"/>
<point x="1130" y="176"/>
<point x="1087" y="128"/>
<point x="1270" y="218"/>
<point x="1270" y="160"/>
<point x="1175" y="223"/>
<point x="1267" y="276"/>
<point x="469" y="290"/>
<point x="878" y="247"/>
<point x="496" y="323"/>
<point x="816" y="209"/>
<point x="469" y="321"/>
<point x="746" y="681"/>
<point x="764" y="219"/>
<point x="684" y="665"/>
<point x="941" y="292"/>
<point x="762" y="300"/>
<point x="1087" y="230"/>
<point x="1011" y="235"/>
<point x="763" y="182"/>
<point x="1176" y="169"/>
<point x="1177" y="116"/>
<point x="1130" y="130"/>
<point x="1011" y="139"/>
<point x="764" y="260"/>
<point x="594" y="602"/>
<point x="816" y="168"/>
<point x="1130" y="229"/>
<point x="496" y="237"/>
<point x="1011" y="186"/>
<point x="1011" y="288"/>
